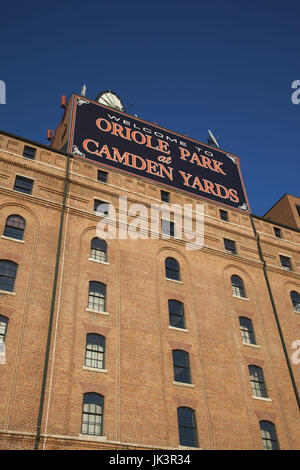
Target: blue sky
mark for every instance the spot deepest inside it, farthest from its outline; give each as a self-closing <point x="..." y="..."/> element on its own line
<point x="190" y="66"/>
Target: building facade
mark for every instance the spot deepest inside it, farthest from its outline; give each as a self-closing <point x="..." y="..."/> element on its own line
<point x="141" y="343"/>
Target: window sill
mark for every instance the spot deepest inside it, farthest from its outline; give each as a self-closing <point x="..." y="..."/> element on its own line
<point x="241" y="298"/>
<point x="99" y="262"/>
<point x="252" y="345"/>
<point x="177" y="329"/>
<point x="7" y="292"/>
<point x="183" y="384"/>
<point x="94" y="369"/>
<point x="96" y="311"/>
<point x="262" y="398"/>
<point x="12" y="239"/>
<point x="91" y="437"/>
<point x="173" y="280"/>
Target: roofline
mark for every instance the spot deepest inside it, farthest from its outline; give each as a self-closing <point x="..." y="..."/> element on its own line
<point x="32" y="142"/>
<point x="273" y="222"/>
<point x="285" y="194"/>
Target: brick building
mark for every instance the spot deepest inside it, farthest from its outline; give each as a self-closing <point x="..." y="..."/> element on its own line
<point x="141" y="344"/>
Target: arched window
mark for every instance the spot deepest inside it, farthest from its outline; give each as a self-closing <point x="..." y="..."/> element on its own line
<point x="95" y="351"/>
<point x="295" y="297"/>
<point x="238" y="286"/>
<point x="3" y="328"/>
<point x="176" y="314"/>
<point x="8" y="272"/>
<point x="181" y="366"/>
<point x="187" y="427"/>
<point x="92" y="414"/>
<point x="268" y="435"/>
<point x="172" y="269"/>
<point x="247" y="331"/>
<point x="14" y="227"/>
<point x="97" y="296"/>
<point x="257" y="381"/>
<point x="98" y="250"/>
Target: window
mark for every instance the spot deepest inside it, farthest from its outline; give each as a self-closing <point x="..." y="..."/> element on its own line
<point x="277" y="232"/>
<point x="298" y="209"/>
<point x="3" y="328"/>
<point x="101" y="207"/>
<point x="92" y="414"/>
<point x="23" y="185"/>
<point x="257" y="381"/>
<point x="181" y="366"/>
<point x="98" y="250"/>
<point x="238" y="286"/>
<point x="187" y="427"/>
<point x="167" y="227"/>
<point x="95" y="351"/>
<point x="247" y="331"/>
<point x="230" y="246"/>
<point x="14" y="227"/>
<point x="172" y="269"/>
<point x="295" y="297"/>
<point x="286" y="263"/>
<point x="176" y="314"/>
<point x="224" y="215"/>
<point x="97" y="296"/>
<point x="165" y="196"/>
<point x="29" y="152"/>
<point x="268" y="434"/>
<point x="8" y="272"/>
<point x="102" y="176"/>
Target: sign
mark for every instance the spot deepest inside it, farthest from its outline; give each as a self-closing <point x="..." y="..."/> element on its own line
<point x="128" y="144"/>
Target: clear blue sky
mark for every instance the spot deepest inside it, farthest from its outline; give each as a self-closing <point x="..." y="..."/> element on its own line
<point x="188" y="65"/>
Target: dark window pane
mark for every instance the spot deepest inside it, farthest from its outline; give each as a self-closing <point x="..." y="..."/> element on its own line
<point x="268" y="434"/>
<point x="295" y="297"/>
<point x="286" y="263"/>
<point x="230" y="246"/>
<point x="23" y="185"/>
<point x="187" y="427"/>
<point x="95" y="351"/>
<point x="97" y="296"/>
<point x="257" y="381"/>
<point x="176" y="314"/>
<point x="238" y="286"/>
<point x="99" y="249"/>
<point x="92" y="414"/>
<point x="172" y="269"/>
<point x="247" y="330"/>
<point x="14" y="227"/>
<point x="277" y="232"/>
<point x="181" y="366"/>
<point x="8" y="272"/>
<point x="298" y="209"/>
<point x="165" y="196"/>
<point x="102" y="176"/>
<point x="224" y="215"/>
<point x="29" y="152"/>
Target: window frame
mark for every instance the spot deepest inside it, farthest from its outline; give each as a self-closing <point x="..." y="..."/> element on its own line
<point x="24" y="179"/>
<point x="91" y="296"/>
<point x="176" y="319"/>
<point x="13" y="229"/>
<point x="14" y="265"/>
<point x="29" y="152"/>
<point x="258" y="383"/>
<point x="223" y="215"/>
<point x="288" y="266"/>
<point x="98" y="400"/>
<point x="273" y="439"/>
<point x="104" y="175"/>
<point x="231" y="246"/>
<point x="96" y="254"/>
<point x="246" y="333"/>
<point x="172" y="270"/>
<point x="101" y="202"/>
<point x="182" y="423"/>
<point x="295" y="302"/>
<point x="181" y="366"/>
<point x="165" y="196"/>
<point x="239" y="291"/>
<point x="97" y="356"/>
